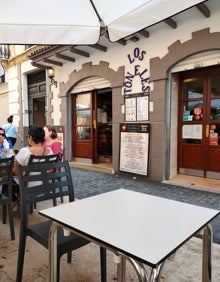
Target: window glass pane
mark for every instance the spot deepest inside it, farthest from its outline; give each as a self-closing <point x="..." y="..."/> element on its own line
<point x="193" y="88"/>
<point x="214" y="134"/>
<point x="215" y="109"/>
<point x="83" y="133"/>
<point x="193" y="110"/>
<point x="215" y="85"/>
<point x="83" y="117"/>
<point x="83" y="101"/>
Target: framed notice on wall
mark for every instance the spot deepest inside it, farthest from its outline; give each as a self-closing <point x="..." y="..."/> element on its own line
<point x="137" y="107"/>
<point x="134" y="148"/>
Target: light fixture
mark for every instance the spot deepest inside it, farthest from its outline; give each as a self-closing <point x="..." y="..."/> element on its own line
<point x="51" y="76"/>
<point x="134" y="38"/>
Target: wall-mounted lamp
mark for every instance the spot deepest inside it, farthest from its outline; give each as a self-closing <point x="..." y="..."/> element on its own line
<point x="51" y="76"/>
<point x="134" y="38"/>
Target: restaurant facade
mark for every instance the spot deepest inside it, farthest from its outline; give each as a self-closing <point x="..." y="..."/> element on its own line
<point x="148" y="105"/>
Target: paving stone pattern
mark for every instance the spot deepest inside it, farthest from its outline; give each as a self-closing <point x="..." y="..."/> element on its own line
<point x="89" y="183"/>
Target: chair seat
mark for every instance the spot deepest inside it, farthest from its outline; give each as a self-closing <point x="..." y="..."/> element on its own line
<point x="40" y="232"/>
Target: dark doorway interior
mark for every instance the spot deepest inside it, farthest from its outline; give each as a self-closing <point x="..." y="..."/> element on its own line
<point x="104" y="126"/>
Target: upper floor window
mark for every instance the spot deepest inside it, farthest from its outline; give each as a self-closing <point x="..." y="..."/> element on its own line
<point x="4" y="52"/>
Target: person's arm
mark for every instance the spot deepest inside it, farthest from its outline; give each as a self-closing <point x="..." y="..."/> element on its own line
<point x="21" y="158"/>
<point x="15" y="168"/>
<point x="20" y="137"/>
<point x="56" y="147"/>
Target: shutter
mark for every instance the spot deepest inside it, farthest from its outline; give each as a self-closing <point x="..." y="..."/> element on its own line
<point x="91" y="83"/>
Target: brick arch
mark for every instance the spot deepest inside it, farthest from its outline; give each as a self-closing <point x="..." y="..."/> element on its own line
<point x="116" y="79"/>
<point x="201" y="41"/>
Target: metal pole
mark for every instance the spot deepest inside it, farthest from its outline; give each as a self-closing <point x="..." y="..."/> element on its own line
<point x="207" y="254"/>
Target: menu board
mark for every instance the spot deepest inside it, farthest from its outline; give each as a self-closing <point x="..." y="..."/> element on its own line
<point x="134" y="148"/>
<point x="130" y="112"/>
<point x="192" y="131"/>
<point x="137" y="107"/>
<point x="142" y="108"/>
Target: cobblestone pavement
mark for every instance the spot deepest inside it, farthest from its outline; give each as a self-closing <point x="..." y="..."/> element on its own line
<point x="89" y="183"/>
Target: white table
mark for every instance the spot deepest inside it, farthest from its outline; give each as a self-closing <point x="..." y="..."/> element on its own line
<point x="142" y="228"/>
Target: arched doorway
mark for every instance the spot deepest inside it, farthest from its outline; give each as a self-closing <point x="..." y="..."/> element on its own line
<point x="164" y="74"/>
<point x="97" y="78"/>
<point x="92" y="126"/>
<point x="199" y="122"/>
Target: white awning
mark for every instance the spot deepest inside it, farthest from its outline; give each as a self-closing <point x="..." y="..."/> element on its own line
<point x="78" y="21"/>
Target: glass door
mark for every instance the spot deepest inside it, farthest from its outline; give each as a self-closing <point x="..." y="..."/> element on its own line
<point x="82" y="126"/>
<point x="199" y="126"/>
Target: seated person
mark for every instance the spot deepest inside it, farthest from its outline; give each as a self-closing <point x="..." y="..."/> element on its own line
<point x="51" y="140"/>
<point x="4" y="143"/>
<point x="36" y="137"/>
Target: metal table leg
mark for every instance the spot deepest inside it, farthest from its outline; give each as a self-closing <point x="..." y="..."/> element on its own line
<point x="207" y="254"/>
<point x="155" y="273"/>
<point x="140" y="270"/>
<point x="52" y="268"/>
<point x="121" y="269"/>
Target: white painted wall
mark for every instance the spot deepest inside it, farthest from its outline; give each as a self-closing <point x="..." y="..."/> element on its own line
<point x="161" y="37"/>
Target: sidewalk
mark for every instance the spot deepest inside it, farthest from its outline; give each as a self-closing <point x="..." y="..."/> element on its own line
<point x="185" y="267"/>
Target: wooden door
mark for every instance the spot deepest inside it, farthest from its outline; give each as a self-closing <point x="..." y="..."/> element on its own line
<point x="83" y="134"/>
<point x="199" y="122"/>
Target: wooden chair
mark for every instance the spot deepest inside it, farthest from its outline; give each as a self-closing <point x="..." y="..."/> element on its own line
<point x="37" y="185"/>
<point x="6" y="170"/>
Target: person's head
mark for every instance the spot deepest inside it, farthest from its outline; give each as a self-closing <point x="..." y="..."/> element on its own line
<point x="2" y="135"/>
<point x="36" y="134"/>
<point x="10" y="119"/>
<point x="50" y="131"/>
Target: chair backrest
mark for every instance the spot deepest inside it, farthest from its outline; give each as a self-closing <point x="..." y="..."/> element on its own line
<point x="43" y="181"/>
<point x="6" y="170"/>
<point x="45" y="158"/>
<point x="61" y="156"/>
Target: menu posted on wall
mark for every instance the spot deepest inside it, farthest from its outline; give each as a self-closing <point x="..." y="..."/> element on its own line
<point x="137" y="107"/>
<point x="134" y="148"/>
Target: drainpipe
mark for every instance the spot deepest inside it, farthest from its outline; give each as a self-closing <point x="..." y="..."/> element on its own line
<point x="21" y="122"/>
<point x="167" y="125"/>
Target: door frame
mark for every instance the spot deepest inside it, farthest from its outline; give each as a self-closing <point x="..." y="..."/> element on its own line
<point x="204" y="168"/>
<point x="87" y="150"/>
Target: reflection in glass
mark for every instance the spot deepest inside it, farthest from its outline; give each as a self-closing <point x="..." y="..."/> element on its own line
<point x="83" y="133"/>
<point x="193" y="88"/>
<point x="215" y="85"/>
<point x="215" y="109"/>
<point x="83" y="117"/>
<point x="193" y="110"/>
<point x="83" y="101"/>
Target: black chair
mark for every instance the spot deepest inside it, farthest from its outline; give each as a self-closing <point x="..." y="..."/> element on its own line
<point x="45" y="159"/>
<point x="40" y="182"/>
<point x="6" y="170"/>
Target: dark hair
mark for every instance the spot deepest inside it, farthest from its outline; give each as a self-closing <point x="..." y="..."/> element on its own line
<point x="2" y="129"/>
<point x="51" y="128"/>
<point x="37" y="133"/>
<point x="10" y="119"/>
